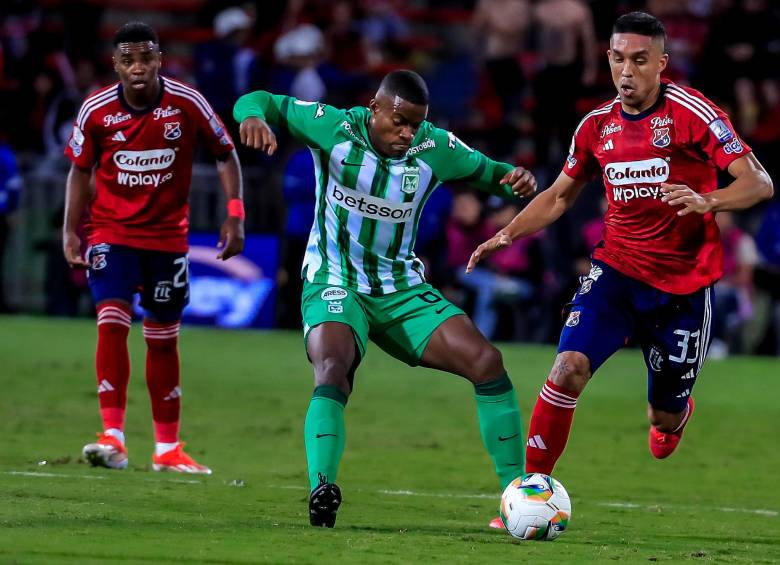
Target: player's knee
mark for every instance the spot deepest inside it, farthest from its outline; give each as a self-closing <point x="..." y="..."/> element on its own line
<point x="487" y="365"/>
<point x="332" y="370"/>
<point x="571" y="371"/>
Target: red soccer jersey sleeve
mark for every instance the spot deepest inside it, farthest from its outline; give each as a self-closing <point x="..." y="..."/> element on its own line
<point x="718" y="139"/>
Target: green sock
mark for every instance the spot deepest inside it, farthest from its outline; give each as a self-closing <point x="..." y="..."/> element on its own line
<point x="324" y="434"/>
<point x="501" y="429"/>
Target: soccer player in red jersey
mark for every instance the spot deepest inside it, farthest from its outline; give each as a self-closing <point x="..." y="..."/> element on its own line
<point x="658" y="146"/>
<point x="139" y="137"/>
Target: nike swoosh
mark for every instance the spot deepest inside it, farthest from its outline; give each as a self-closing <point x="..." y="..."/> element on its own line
<point x="442" y="309"/>
<point x="502" y="438"/>
<point x="345" y="162"/>
<point x="323" y="435"/>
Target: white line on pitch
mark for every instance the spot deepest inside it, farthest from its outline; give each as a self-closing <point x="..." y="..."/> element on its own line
<point x="631" y="505"/>
<point x="95" y="477"/>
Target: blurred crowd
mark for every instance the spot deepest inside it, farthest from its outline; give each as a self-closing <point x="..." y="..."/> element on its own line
<point x="511" y="77"/>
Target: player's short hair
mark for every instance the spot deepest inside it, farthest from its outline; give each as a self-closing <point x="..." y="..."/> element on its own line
<point x="640" y="23"/>
<point x="407" y="85"/>
<point x="133" y="32"/>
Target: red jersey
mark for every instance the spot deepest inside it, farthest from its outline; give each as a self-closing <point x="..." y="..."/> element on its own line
<point x="143" y="163"/>
<point x="681" y="139"/>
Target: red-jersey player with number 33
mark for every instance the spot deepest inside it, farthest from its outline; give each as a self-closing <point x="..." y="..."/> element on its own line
<point x="139" y="137"/>
<point x="658" y="146"/>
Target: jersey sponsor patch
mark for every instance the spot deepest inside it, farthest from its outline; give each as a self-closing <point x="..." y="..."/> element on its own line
<point x="733" y="147"/>
<point x="333" y="293"/>
<point x="142" y="161"/>
<point x="721" y="131"/>
<point x="75" y="147"/>
<point x="78" y="135"/>
<point x="634" y="172"/>
<point x="370" y="206"/>
<point x="573" y="319"/>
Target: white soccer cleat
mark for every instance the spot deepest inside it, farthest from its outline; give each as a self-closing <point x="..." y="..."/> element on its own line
<point x="107" y="452"/>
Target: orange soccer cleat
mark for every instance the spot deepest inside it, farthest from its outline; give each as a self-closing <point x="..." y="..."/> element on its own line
<point x="107" y="451"/>
<point x="497" y="523"/>
<point x="662" y="445"/>
<point x="179" y="462"/>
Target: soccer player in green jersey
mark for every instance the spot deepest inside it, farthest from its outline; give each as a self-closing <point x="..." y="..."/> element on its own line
<point x="375" y="168"/>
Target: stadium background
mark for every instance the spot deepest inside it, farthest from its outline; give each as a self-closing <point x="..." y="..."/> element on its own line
<point x="510" y="77"/>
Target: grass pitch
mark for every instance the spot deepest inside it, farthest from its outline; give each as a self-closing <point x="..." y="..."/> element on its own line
<point x="417" y="484"/>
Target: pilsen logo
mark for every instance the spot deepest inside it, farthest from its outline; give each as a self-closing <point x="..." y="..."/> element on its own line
<point x="611" y="128"/>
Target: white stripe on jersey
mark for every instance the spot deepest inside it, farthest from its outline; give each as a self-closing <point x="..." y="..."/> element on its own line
<point x="704" y="337"/>
<point x="685" y="104"/>
<point x="190" y="90"/>
<point x="702" y="105"/>
<point x="597" y="112"/>
<point x="98" y="96"/>
<point x="103" y="102"/>
<point x="185" y="92"/>
<point x="312" y="258"/>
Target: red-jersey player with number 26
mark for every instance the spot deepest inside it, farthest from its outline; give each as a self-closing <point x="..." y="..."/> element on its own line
<point x="139" y="137"/>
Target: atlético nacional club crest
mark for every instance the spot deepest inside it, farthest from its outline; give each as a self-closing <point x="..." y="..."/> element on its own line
<point x="172" y="131"/>
<point x="410" y="181"/>
<point x="661" y="137"/>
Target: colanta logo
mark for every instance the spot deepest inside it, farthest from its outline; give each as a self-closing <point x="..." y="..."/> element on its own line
<point x="142" y="161"/>
<point x="370" y="206"/>
<point x="637" y="172"/>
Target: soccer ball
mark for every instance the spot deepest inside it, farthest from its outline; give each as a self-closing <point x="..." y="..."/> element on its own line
<point x="535" y="507"/>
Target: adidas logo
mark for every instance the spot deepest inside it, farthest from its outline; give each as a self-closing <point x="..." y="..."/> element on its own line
<point x="104" y="386"/>
<point x="119" y="136"/>
<point x="536" y="442"/>
<point x="609" y="145"/>
<point x="174" y="394"/>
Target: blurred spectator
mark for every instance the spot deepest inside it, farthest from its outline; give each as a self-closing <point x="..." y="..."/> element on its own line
<point x="502" y="26"/>
<point x="735" y="291"/>
<point x="564" y="30"/>
<point x="227" y="67"/>
<point x="382" y="27"/>
<point x="300" y="200"/>
<point x="301" y="53"/>
<point x="767" y="274"/>
<point x="10" y="190"/>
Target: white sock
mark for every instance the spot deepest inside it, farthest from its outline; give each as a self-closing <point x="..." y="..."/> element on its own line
<point x="160" y="448"/>
<point x="117" y="433"/>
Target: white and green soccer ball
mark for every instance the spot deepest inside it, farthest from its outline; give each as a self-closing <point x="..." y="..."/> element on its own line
<point x="535" y="507"/>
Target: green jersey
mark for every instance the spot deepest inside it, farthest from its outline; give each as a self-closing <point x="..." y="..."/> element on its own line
<point x="369" y="205"/>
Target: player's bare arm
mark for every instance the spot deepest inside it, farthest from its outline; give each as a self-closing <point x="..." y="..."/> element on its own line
<point x="751" y="185"/>
<point x="231" y="235"/>
<point x="76" y="199"/>
<point x="257" y="134"/>
<point x="540" y="213"/>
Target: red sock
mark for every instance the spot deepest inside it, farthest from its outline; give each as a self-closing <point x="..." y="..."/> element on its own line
<point x="549" y="429"/>
<point x="162" y="378"/>
<point x="113" y="362"/>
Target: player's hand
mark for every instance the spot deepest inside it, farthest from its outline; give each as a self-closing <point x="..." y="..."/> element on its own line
<point x="486" y="249"/>
<point x="231" y="238"/>
<point x="681" y="195"/>
<point x="71" y="248"/>
<point x="255" y="133"/>
<point x="521" y="180"/>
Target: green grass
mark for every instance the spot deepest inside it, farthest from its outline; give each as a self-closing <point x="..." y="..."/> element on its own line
<point x="410" y="430"/>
